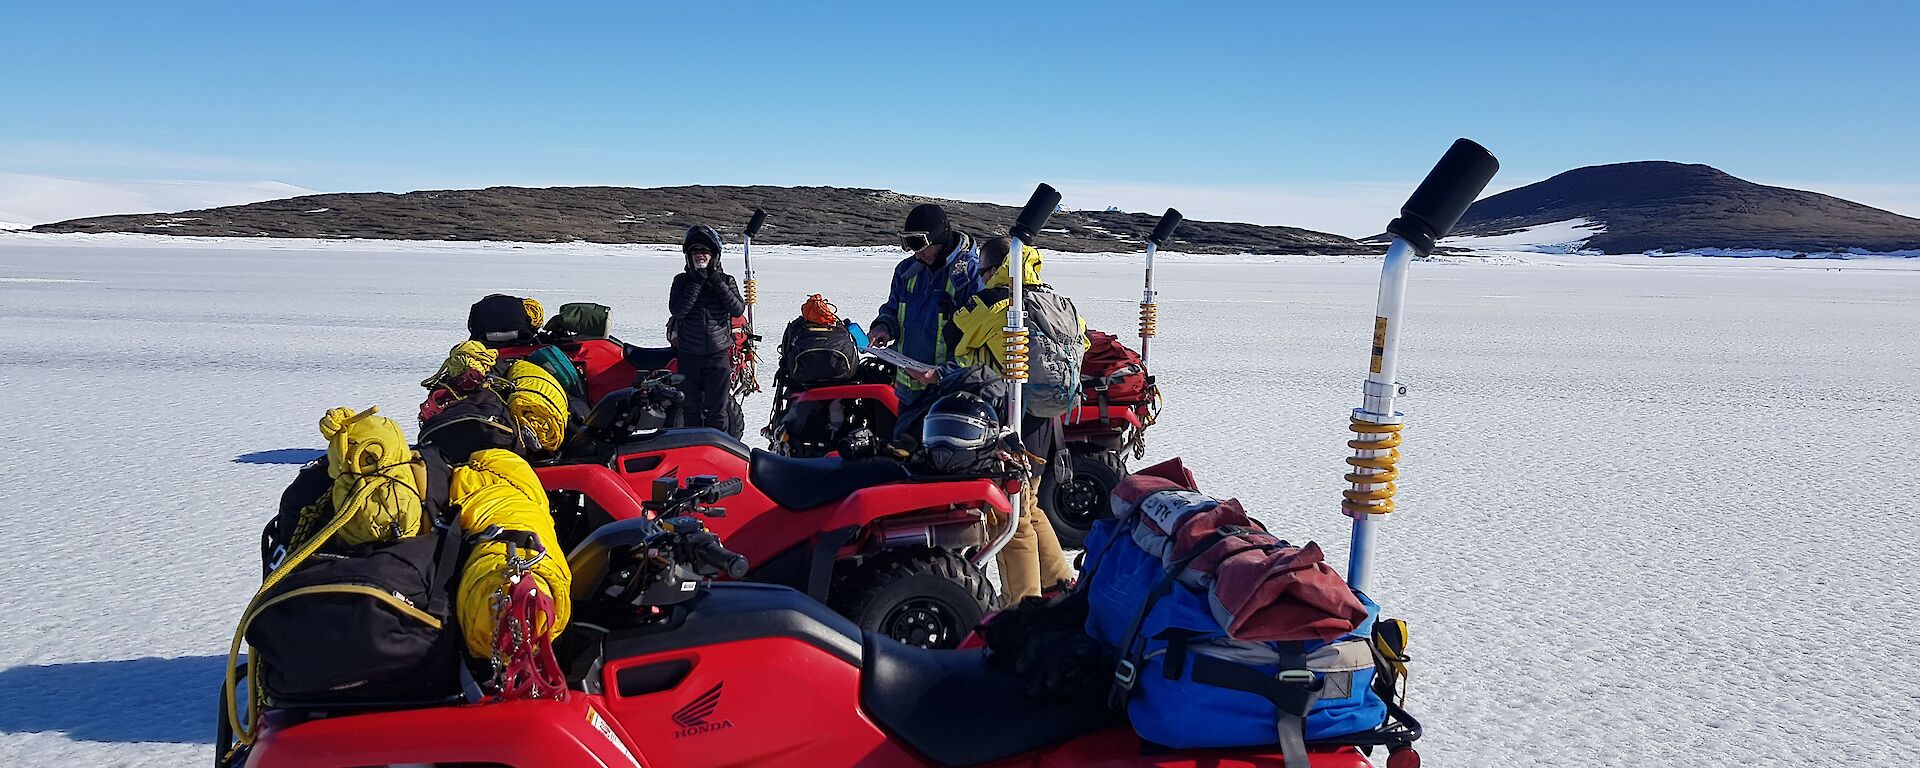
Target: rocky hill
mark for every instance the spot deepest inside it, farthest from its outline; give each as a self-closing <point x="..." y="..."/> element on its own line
<point x="825" y="216"/>
<point x="1673" y="207"/>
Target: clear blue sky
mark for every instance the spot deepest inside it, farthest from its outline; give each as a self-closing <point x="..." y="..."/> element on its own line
<point x="954" y="98"/>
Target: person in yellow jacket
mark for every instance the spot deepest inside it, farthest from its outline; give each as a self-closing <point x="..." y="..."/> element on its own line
<point x="1033" y="561"/>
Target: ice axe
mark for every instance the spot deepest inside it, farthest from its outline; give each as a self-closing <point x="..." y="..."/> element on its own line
<point x="1025" y="230"/>
<point x="1435" y="206"/>
<point x="1149" y="313"/>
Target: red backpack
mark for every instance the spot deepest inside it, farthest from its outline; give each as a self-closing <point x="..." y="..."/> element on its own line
<point x="1112" y="374"/>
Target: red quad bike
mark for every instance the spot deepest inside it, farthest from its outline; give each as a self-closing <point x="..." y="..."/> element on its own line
<point x="818" y="420"/>
<point x="666" y="669"/>
<point x="901" y="555"/>
<point x="1119" y="400"/>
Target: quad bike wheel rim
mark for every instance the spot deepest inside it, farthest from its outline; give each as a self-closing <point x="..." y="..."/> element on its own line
<point x="922" y="621"/>
<point x="1083" y="501"/>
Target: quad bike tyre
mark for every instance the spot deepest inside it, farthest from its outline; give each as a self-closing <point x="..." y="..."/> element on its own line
<point x="923" y="597"/>
<point x="1073" y="506"/>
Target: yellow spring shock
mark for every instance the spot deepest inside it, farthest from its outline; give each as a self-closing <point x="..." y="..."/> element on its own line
<point x="753" y="292"/>
<point x="1377" y="499"/>
<point x="1016" y="362"/>
<point x="1149" y="319"/>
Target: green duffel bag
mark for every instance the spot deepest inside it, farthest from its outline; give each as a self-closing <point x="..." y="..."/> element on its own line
<point x="578" y="320"/>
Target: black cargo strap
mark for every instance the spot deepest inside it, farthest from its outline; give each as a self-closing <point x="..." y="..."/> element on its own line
<point x="446" y="561"/>
<point x="1100" y="385"/>
<point x="1293" y="692"/>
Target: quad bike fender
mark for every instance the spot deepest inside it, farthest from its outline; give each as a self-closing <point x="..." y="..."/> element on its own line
<point x="596" y="482"/>
<point x="866" y="506"/>
<point x="1089" y="416"/>
<point x="879" y="393"/>
<point x="577" y="732"/>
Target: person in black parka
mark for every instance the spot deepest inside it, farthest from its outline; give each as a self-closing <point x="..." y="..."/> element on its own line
<point x="703" y="303"/>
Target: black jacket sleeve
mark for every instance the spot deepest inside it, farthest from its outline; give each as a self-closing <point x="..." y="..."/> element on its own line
<point x="685" y="292"/>
<point x="729" y="293"/>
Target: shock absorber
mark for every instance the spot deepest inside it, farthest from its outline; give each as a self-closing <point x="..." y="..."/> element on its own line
<point x="1376" y="454"/>
<point x="1435" y="206"/>
<point x="1149" y="311"/>
<point x="752" y="290"/>
<point x="1017" y="352"/>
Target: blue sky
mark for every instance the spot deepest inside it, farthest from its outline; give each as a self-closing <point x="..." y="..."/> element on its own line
<point x="1278" y="112"/>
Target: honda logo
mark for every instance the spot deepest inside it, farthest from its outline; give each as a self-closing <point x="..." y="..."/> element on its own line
<point x="697" y="716"/>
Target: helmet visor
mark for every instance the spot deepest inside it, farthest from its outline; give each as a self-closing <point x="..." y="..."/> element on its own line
<point x="954" y="429"/>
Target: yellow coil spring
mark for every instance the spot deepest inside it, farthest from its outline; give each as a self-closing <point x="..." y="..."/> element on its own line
<point x="1149" y="319"/>
<point x="753" y="292"/>
<point x="1015" y="364"/>
<point x="1376" y="501"/>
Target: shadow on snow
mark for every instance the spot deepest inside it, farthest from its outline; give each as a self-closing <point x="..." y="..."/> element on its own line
<point x="128" y="700"/>
<point x="295" y="456"/>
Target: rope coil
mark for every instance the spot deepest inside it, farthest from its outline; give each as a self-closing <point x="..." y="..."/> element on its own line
<point x="1373" y="476"/>
<point x="1017" y="353"/>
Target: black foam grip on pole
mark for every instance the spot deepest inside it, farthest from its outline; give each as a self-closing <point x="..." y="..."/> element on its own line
<point x="1163" y="232"/>
<point x="1440" y="200"/>
<point x="753" y="225"/>
<point x="1034" y="216"/>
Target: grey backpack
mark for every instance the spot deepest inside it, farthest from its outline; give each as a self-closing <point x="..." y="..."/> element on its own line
<point x="1055" y="349"/>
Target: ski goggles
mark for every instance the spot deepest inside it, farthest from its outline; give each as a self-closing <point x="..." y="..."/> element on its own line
<point x="696" y="250"/>
<point x="914" y="241"/>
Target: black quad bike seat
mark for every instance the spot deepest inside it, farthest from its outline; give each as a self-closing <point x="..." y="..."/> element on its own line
<point x="807" y="483"/>
<point x="957" y="710"/>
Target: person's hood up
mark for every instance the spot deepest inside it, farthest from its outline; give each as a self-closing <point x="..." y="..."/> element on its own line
<point x="1030" y="269"/>
<point x="704" y="235"/>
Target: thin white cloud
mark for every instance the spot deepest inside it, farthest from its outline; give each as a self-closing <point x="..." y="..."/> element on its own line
<point x="26" y="200"/>
<point x="1903" y="199"/>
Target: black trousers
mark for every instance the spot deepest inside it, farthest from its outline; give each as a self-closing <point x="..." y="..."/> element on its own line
<point x="708" y="388"/>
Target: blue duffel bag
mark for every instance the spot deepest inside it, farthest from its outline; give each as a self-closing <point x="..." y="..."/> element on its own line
<point x="1187" y="684"/>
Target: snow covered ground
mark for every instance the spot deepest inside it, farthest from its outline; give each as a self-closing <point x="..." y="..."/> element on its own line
<point x="1656" y="511"/>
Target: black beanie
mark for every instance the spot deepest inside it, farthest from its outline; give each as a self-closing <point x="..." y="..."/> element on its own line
<point x="931" y="219"/>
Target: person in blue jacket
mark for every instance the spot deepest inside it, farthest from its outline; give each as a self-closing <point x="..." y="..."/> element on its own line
<point x="928" y="287"/>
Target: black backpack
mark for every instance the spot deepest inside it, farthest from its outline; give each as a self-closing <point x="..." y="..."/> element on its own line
<point x="476" y="422"/>
<point x="499" y="320"/>
<point x="375" y="625"/>
<point x="813" y="354"/>
<point x="282" y="533"/>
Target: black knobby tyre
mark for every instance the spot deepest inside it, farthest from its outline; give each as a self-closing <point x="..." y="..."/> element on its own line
<point x="1073" y="506"/>
<point x="929" y="598"/>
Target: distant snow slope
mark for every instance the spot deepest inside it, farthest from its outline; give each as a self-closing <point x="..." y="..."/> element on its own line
<point x="1653" y="511"/>
<point x="27" y="200"/>
<point x="1558" y="237"/>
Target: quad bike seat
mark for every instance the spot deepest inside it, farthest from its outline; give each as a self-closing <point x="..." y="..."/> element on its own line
<point x="956" y="709"/>
<point x="807" y="483"/>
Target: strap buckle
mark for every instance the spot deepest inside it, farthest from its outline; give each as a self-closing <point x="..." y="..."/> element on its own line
<point x="1295" y="676"/>
<point x="1125" y="675"/>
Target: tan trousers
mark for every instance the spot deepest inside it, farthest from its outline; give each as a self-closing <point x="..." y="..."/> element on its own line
<point x="1032" y="560"/>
